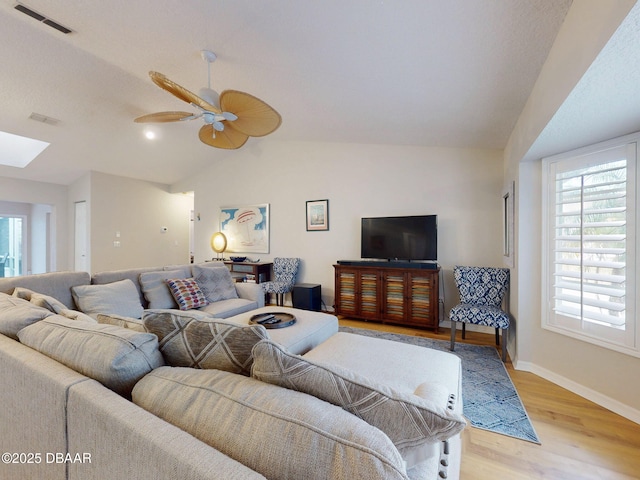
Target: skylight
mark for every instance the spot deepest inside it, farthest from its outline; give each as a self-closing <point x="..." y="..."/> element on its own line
<point x="17" y="151"/>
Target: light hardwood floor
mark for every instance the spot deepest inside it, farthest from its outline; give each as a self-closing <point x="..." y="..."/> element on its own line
<point x="580" y="440"/>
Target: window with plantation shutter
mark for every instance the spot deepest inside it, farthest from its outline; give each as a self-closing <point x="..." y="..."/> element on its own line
<point x="589" y="269"/>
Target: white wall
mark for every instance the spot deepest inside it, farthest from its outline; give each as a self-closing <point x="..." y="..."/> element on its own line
<point x="462" y="186"/>
<point x="15" y="190"/>
<point x="136" y="211"/>
<point x="591" y="371"/>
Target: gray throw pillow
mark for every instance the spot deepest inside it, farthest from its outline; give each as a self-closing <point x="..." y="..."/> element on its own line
<point x="193" y="339"/>
<point x="116" y="357"/>
<point x="120" y="298"/>
<point x="24" y="293"/>
<point x="215" y="282"/>
<point x="155" y="289"/>
<point x="48" y="302"/>
<point x="408" y="420"/>
<point x="16" y="313"/>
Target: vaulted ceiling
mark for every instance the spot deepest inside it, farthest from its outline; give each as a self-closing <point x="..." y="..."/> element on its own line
<point x="414" y="72"/>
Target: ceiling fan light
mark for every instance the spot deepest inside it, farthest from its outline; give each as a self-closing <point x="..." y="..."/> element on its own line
<point x="210" y="95"/>
<point x="218" y="126"/>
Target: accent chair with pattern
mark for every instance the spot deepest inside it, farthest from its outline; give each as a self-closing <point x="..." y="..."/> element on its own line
<point x="482" y="290"/>
<point x="285" y="271"/>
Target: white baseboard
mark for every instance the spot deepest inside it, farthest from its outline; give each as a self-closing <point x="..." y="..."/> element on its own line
<point x="585" y="392"/>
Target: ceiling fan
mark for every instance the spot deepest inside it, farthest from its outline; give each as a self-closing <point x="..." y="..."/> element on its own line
<point x="230" y="118"/>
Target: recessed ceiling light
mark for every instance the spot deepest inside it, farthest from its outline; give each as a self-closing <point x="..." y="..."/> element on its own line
<point x="150" y="134"/>
<point x="17" y="151"/>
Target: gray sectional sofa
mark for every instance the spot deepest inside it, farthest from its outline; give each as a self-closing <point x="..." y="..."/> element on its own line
<point x="187" y="394"/>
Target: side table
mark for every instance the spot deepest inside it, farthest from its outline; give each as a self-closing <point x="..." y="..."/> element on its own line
<point x="259" y="272"/>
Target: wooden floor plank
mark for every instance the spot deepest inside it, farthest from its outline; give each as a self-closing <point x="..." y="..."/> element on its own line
<point x="580" y="440"/>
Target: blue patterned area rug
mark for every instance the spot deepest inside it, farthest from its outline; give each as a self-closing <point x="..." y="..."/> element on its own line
<point x="490" y="400"/>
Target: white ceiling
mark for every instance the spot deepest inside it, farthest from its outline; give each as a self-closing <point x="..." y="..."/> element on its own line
<point x="605" y="103"/>
<point x="408" y="72"/>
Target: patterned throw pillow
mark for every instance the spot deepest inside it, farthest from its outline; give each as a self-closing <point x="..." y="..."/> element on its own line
<point x="187" y="293"/>
<point x="408" y="420"/>
<point x="215" y="282"/>
<point x="194" y="339"/>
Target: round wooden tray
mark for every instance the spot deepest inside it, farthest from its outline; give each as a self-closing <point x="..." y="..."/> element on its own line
<point x="273" y="319"/>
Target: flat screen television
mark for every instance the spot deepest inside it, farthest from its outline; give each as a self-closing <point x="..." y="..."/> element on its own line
<point x="400" y="238"/>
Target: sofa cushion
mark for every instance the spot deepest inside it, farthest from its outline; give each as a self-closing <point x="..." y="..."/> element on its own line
<point x="120" y="321"/>
<point x="229" y="308"/>
<point x="193" y="339"/>
<point x="274" y="431"/>
<point x="24" y="293"/>
<point x="114" y="356"/>
<point x="155" y="289"/>
<point x="51" y="304"/>
<point x="56" y="284"/>
<point x="16" y="313"/>
<point x="132" y="274"/>
<point x="408" y="420"/>
<point x="187" y="293"/>
<point x="119" y="297"/>
<point x="76" y="315"/>
<point x="48" y="302"/>
<point x="215" y="283"/>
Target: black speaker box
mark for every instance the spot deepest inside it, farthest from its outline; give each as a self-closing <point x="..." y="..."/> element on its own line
<point x="306" y="296"/>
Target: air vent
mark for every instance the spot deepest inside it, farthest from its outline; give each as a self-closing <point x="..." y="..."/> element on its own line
<point x="41" y="18"/>
<point x="38" y="117"/>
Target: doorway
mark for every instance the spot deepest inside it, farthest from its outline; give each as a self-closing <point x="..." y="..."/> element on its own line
<point x="12" y="237"/>
<point x="80" y="262"/>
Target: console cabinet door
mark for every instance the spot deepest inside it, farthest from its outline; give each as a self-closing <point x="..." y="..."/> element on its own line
<point x="345" y="295"/>
<point x="369" y="296"/>
<point x="394" y="294"/>
<point x="357" y="293"/>
<point x="422" y="299"/>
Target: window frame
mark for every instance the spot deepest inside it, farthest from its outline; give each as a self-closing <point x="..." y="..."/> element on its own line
<point x="629" y="342"/>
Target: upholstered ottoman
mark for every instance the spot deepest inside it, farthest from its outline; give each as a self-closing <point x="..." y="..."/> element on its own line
<point x="408" y="369"/>
<point x="311" y="328"/>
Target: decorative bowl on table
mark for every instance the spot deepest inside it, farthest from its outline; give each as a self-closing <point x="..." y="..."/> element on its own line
<point x="238" y="259"/>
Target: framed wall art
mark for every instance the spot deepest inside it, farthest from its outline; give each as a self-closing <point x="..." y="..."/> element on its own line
<point x="246" y="228"/>
<point x="317" y="215"/>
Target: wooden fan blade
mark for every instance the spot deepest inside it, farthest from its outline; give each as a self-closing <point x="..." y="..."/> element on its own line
<point x="228" y="138"/>
<point x="255" y="117"/>
<point x="181" y="92"/>
<point x="162" y="117"/>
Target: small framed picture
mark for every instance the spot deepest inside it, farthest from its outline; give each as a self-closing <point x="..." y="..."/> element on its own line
<point x="317" y="215"/>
